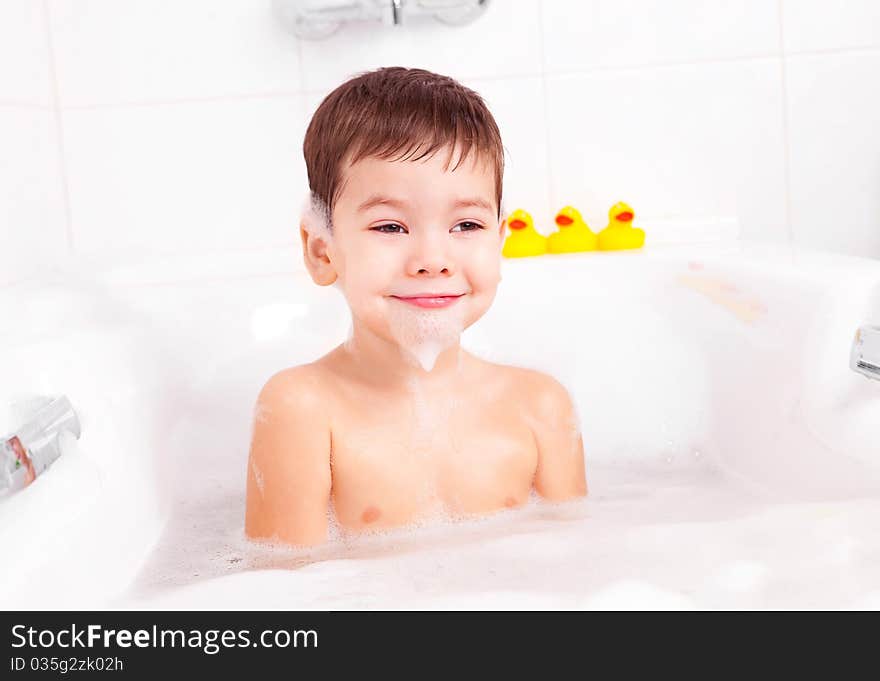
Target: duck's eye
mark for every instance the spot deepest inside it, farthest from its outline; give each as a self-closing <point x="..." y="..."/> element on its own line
<point x="467" y="227"/>
<point x="387" y="229"/>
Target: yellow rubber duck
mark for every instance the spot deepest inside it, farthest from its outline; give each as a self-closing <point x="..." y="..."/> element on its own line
<point x="573" y="234"/>
<point x="620" y="235"/>
<point x="523" y="240"/>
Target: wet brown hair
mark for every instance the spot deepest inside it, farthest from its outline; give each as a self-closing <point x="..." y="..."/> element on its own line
<point x="397" y="113"/>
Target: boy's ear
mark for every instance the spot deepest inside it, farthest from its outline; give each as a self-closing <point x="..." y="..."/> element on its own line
<point x="316" y="258"/>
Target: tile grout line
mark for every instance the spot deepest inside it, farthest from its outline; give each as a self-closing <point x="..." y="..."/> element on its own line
<point x="280" y="94"/>
<point x="786" y="141"/>
<point x="10" y="104"/>
<point x="546" y="106"/>
<point x="303" y="93"/>
<point x="152" y="103"/>
<point x="59" y="127"/>
<point x="543" y="74"/>
<point x="832" y="51"/>
<point x="765" y="56"/>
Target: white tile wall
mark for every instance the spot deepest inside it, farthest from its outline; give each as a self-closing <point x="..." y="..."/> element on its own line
<point x="183" y="121"/>
<point x="518" y="107"/>
<point x="811" y="25"/>
<point x="186" y="176"/>
<point x="834" y="105"/>
<point x="24" y="54"/>
<point x="675" y="142"/>
<point x="112" y="51"/>
<point x="583" y="35"/>
<point x="33" y="228"/>
<point x="32" y="221"/>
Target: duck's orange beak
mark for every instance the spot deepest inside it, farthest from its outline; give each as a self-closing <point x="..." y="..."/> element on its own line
<point x="517" y="224"/>
<point x="563" y="220"/>
<point x="626" y="216"/>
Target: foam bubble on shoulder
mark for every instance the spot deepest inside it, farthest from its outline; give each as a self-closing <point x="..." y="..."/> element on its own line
<point x="258" y="478"/>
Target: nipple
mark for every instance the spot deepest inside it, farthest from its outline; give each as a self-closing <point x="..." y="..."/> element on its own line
<point x="370" y="515"/>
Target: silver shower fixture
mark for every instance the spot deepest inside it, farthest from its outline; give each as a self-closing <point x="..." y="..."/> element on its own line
<point x="865" y="354"/>
<point x="316" y="19"/>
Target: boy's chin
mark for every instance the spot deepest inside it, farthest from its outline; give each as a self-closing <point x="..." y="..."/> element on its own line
<point x="423" y="326"/>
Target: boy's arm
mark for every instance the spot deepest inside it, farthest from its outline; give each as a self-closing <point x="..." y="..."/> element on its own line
<point x="560" y="474"/>
<point x="288" y="477"/>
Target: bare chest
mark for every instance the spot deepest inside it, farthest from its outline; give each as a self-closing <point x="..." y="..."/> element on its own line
<point x="391" y="466"/>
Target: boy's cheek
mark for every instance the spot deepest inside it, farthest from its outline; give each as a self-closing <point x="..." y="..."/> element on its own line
<point x="364" y="288"/>
<point x="487" y="269"/>
<point x="366" y="254"/>
<point x="362" y="268"/>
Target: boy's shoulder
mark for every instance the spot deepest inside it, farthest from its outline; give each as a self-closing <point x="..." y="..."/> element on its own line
<point x="545" y="405"/>
<point x="300" y="387"/>
<point x="544" y="394"/>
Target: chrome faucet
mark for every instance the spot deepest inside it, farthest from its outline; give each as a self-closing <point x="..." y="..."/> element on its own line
<point x="317" y="19"/>
<point x="865" y="355"/>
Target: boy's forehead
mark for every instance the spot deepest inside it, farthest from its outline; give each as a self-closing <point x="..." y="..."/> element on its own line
<point x="436" y="176"/>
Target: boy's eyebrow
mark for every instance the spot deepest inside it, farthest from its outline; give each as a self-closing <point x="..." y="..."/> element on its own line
<point x="381" y="200"/>
<point x="476" y="201"/>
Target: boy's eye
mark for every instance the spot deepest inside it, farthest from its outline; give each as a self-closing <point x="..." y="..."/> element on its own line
<point x="387" y="229"/>
<point x="473" y="226"/>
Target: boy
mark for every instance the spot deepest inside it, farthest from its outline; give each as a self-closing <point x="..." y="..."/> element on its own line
<point x="399" y="423"/>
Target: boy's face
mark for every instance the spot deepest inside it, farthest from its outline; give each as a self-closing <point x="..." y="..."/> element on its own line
<point x="407" y="228"/>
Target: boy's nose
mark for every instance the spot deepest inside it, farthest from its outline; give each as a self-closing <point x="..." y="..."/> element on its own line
<point x="430" y="259"/>
<point x="430" y="266"/>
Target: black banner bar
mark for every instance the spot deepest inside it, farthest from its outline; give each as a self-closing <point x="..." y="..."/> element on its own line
<point x="229" y="642"/>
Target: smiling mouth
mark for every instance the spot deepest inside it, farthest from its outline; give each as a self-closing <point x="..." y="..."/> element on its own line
<point x="430" y="300"/>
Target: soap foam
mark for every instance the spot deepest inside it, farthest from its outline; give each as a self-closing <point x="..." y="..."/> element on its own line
<point x="423" y="334"/>
<point x="315" y="216"/>
<point x="258" y="477"/>
<point x="261" y="413"/>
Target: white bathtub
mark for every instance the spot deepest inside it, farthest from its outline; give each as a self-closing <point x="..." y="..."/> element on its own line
<point x="733" y="458"/>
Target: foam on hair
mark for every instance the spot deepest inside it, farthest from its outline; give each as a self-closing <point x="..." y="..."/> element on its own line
<point x="315" y="215"/>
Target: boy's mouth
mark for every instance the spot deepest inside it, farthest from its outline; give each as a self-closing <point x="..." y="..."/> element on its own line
<point x="431" y="299"/>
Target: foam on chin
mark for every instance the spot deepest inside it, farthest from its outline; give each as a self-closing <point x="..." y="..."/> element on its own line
<point x="423" y="334"/>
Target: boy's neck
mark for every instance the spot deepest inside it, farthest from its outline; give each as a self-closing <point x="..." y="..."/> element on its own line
<point x="386" y="363"/>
